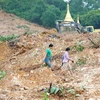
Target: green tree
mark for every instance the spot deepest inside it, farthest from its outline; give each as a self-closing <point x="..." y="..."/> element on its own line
<point x="33" y="10"/>
<point x="91" y="18"/>
<point x="37" y="11"/>
<point x="57" y="3"/>
<point x="55" y="10"/>
<point x="52" y="13"/>
<point x="48" y="19"/>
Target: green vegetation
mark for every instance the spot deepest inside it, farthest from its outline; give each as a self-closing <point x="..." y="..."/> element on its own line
<point x="81" y="61"/>
<point x="7" y="38"/>
<point x="54" y="90"/>
<point x="23" y="26"/>
<point x="45" y="12"/>
<point x="27" y="32"/>
<point x="2" y="74"/>
<point x="45" y="96"/>
<point x="91" y="18"/>
<point x="63" y="92"/>
<point x="73" y="92"/>
<point x="78" y="48"/>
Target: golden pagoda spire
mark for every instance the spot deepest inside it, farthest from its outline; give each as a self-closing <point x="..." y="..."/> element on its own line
<point x="68" y="15"/>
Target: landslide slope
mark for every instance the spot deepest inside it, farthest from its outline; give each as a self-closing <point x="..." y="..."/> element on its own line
<point x="26" y="77"/>
<point x="11" y="24"/>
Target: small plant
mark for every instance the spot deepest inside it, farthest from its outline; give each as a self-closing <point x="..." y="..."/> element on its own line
<point x="45" y="96"/>
<point x="81" y="61"/>
<point x="62" y="92"/>
<point x="83" y="87"/>
<point x="27" y="32"/>
<point x="73" y="92"/>
<point x="2" y="74"/>
<point x="44" y="65"/>
<point x="62" y="89"/>
<point x="78" y="48"/>
<point x="23" y="26"/>
<point x="54" y="90"/>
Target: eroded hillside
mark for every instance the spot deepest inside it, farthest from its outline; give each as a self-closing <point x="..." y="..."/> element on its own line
<point x="26" y="77"/>
<point x="11" y="24"/>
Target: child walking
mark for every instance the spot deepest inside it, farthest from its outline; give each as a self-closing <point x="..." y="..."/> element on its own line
<point x="66" y="62"/>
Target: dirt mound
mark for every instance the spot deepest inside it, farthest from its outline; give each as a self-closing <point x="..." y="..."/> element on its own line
<point x="26" y="72"/>
<point x="5" y="51"/>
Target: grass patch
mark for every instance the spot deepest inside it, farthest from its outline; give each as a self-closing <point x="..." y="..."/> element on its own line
<point x="2" y="74"/>
<point x="7" y="38"/>
<point x="23" y="26"/>
<point x="45" y="96"/>
<point x="28" y="31"/>
<point x="81" y="61"/>
<point x="31" y="32"/>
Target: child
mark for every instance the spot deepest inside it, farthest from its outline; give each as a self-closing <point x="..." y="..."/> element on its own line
<point x="48" y="56"/>
<point x="65" y="62"/>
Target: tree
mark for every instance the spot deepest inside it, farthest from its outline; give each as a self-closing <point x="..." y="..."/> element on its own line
<point x="33" y="10"/>
<point x="55" y="10"/>
<point x="37" y="11"/>
<point x="91" y="18"/>
<point x="48" y="19"/>
<point x="57" y="3"/>
<point x="53" y="13"/>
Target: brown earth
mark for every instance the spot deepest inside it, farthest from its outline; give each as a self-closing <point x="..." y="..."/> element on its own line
<point x="11" y="24"/>
<point x="26" y="78"/>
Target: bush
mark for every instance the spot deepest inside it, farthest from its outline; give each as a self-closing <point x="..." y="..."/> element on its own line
<point x="81" y="61"/>
<point x="2" y="74"/>
<point x="78" y="47"/>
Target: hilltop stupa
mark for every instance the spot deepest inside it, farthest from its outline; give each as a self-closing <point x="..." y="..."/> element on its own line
<point x="68" y="15"/>
<point x="68" y="24"/>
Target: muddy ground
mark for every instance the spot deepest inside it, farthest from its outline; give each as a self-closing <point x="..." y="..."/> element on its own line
<point x="28" y="79"/>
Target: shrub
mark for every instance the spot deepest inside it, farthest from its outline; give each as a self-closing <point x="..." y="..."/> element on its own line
<point x="78" y="48"/>
<point x="81" y="61"/>
<point x="2" y="74"/>
<point x="7" y="38"/>
<point x="45" y="96"/>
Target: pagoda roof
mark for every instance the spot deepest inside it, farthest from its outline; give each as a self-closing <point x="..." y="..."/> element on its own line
<point x="68" y="15"/>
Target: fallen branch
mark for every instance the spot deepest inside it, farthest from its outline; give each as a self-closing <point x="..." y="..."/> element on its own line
<point x="95" y="44"/>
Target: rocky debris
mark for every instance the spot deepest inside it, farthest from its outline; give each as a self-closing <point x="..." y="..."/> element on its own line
<point x="5" y="52"/>
<point x="26" y="72"/>
<point x="27" y="78"/>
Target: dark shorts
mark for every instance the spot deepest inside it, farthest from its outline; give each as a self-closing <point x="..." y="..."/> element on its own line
<point x="47" y="61"/>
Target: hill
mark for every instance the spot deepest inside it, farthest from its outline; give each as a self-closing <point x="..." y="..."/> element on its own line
<point x="11" y="24"/>
<point x="45" y="12"/>
<point x="26" y="77"/>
